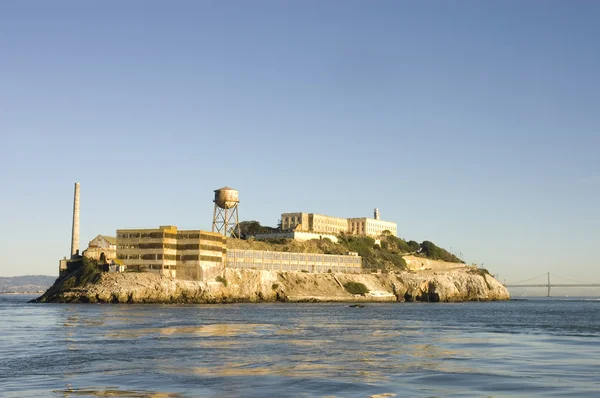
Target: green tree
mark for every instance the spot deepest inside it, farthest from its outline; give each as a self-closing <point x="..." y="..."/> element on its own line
<point x="415" y="246"/>
<point x="430" y="250"/>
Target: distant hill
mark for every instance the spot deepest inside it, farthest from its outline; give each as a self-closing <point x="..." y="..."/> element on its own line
<point x="26" y="284"/>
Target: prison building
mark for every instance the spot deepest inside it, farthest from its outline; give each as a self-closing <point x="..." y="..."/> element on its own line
<point x="286" y="261"/>
<point x="370" y="226"/>
<point x="102" y="244"/>
<point x="200" y="254"/>
<point x="185" y="254"/>
<point x="327" y="224"/>
<point x="294" y="221"/>
<point x="322" y="224"/>
<point x="152" y="250"/>
<point x="311" y="222"/>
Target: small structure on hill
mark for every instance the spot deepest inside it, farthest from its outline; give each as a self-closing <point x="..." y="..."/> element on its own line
<point x="103" y="248"/>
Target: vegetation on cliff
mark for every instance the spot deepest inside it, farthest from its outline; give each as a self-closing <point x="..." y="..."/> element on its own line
<point x="356" y="288"/>
<point x="431" y="251"/>
<point x="384" y="256"/>
<point x="81" y="272"/>
<point x="249" y="228"/>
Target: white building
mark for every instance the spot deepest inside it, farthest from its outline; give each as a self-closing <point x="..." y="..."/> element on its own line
<point x="319" y="223"/>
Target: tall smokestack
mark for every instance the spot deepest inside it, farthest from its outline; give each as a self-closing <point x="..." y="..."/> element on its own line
<point x="75" y="232"/>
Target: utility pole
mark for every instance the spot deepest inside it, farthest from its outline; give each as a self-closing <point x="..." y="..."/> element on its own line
<point x="548" y="284"/>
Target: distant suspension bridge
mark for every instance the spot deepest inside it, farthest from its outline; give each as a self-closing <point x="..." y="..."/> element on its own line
<point x="550" y="285"/>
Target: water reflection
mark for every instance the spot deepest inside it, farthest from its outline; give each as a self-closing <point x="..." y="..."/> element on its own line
<point x="213" y="330"/>
<point x="102" y="392"/>
<point x="297" y="350"/>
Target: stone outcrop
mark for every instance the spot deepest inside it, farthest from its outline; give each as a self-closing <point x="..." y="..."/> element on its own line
<point x="416" y="263"/>
<point x="235" y="285"/>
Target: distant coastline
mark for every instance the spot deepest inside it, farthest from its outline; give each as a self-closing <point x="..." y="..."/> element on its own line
<point x="26" y="284"/>
<point x="22" y="293"/>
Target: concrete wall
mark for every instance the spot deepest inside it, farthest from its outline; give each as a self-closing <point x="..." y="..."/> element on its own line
<point x="286" y="261"/>
<point x="200" y="254"/>
<point x="96" y="252"/>
<point x="102" y="244"/>
<point x="300" y="236"/>
<point x="327" y="224"/>
<point x="415" y="263"/>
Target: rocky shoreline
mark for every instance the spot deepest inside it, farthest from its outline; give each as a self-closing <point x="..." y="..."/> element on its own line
<point x="235" y="285"/>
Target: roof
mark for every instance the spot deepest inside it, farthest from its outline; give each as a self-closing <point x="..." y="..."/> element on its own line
<point x="111" y="239"/>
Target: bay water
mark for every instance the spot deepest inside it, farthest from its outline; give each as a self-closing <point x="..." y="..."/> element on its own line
<point x="533" y="347"/>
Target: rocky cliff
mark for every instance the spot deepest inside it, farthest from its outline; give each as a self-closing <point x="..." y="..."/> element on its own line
<point x="468" y="284"/>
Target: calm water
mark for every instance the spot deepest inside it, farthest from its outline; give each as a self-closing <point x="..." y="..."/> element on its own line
<point x="517" y="348"/>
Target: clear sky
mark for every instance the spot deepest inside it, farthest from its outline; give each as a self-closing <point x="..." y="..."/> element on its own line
<point x="473" y="124"/>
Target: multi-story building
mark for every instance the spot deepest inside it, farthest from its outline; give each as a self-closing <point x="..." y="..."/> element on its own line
<point x="370" y="226"/>
<point x="295" y="221"/>
<point x="186" y="254"/>
<point x="327" y="224"/>
<point x="148" y="249"/>
<point x="318" y="223"/>
<point x="311" y="222"/>
<point x="200" y="254"/>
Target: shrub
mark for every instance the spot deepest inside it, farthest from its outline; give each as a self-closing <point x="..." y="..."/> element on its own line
<point x="387" y="256"/>
<point x="415" y="246"/>
<point x="363" y="245"/>
<point x="356" y="288"/>
<point x="479" y="271"/>
<point x="222" y="280"/>
<point x="393" y="243"/>
<point x="248" y="228"/>
<point x="278" y="241"/>
<point x="437" y="253"/>
<point x="88" y="271"/>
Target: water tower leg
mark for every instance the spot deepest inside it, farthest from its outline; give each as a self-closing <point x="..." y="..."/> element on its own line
<point x="214" y="226"/>
<point x="226" y="225"/>
<point x="234" y="222"/>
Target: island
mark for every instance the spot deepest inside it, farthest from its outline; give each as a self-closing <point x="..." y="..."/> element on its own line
<point x="391" y="270"/>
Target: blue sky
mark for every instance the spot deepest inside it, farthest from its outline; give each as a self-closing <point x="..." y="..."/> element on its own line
<point x="472" y="124"/>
